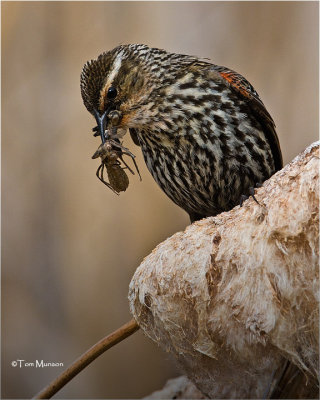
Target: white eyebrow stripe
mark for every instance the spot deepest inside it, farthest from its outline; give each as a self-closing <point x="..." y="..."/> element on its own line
<point x="116" y="67"/>
<point x="103" y="92"/>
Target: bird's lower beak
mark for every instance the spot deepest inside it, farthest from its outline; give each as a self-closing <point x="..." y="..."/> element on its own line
<point x="102" y="123"/>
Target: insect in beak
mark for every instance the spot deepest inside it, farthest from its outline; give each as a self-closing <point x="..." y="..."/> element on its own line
<point x="101" y="122"/>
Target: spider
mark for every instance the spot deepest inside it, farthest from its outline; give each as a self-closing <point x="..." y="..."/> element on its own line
<point x="110" y="152"/>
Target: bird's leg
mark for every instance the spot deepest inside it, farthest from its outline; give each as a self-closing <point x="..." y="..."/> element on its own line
<point x="243" y="197"/>
<point x="251" y="193"/>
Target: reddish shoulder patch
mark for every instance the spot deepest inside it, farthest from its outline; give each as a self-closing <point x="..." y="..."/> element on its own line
<point x="236" y="82"/>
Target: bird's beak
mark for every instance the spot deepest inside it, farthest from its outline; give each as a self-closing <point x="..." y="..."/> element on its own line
<point x="101" y="122"/>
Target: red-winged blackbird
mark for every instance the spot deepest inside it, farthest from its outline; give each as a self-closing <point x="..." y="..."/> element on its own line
<point x="205" y="135"/>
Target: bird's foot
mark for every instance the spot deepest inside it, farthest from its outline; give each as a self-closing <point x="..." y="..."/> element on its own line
<point x="243" y="197"/>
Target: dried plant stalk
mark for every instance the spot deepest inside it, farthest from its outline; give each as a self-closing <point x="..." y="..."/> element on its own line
<point x="235" y="297"/>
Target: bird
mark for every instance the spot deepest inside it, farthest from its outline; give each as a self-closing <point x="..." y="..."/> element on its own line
<point x="206" y="136"/>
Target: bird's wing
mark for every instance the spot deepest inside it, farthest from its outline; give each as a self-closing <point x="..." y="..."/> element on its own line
<point x="247" y="92"/>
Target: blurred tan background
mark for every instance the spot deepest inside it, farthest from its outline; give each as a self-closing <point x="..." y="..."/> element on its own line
<point x="69" y="245"/>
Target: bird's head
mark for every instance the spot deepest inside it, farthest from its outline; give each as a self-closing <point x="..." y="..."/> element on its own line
<point x="125" y="87"/>
<point x="117" y="87"/>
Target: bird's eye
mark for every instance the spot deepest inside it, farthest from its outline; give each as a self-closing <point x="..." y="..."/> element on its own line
<point x="112" y="93"/>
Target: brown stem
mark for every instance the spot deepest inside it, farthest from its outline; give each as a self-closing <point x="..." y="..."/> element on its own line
<point x="86" y="358"/>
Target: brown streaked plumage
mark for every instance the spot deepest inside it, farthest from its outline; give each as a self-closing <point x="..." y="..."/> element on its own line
<point x="205" y="134"/>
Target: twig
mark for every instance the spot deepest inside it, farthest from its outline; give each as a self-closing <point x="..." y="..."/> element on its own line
<point x="86" y="358"/>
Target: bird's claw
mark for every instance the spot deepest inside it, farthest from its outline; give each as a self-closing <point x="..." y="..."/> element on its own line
<point x="243" y="197"/>
<point x="251" y="192"/>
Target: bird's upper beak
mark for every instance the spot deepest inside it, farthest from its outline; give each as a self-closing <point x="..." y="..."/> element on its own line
<point x="102" y="123"/>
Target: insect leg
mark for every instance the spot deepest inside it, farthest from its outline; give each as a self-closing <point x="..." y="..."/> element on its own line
<point x="127" y="166"/>
<point x="136" y="165"/>
<point x="128" y="153"/>
<point x="99" y="175"/>
<point x="96" y="131"/>
<point x="116" y="143"/>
